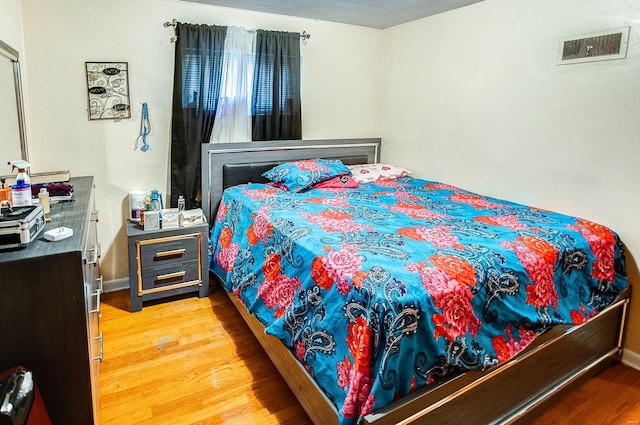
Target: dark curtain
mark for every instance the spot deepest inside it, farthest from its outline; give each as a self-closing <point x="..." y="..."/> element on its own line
<point x="276" y="90"/>
<point x="196" y="89"/>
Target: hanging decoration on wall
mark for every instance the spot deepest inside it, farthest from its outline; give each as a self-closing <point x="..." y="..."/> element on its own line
<point x="145" y="129"/>
<point x="108" y="90"/>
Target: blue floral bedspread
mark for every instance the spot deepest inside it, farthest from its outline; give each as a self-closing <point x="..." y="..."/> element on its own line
<point x="383" y="289"/>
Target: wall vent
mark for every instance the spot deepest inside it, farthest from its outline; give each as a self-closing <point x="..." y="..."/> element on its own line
<point x="597" y="46"/>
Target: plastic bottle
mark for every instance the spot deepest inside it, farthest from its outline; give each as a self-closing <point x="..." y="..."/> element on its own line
<point x="141" y="221"/>
<point x="146" y="207"/>
<point x="147" y="203"/>
<point x="180" y="203"/>
<point x="21" y="190"/>
<point x="43" y="197"/>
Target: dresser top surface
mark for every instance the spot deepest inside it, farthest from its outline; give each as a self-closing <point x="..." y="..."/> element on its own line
<point x="71" y="214"/>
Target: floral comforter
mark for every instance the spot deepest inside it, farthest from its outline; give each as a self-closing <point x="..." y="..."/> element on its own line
<point x="383" y="289"/>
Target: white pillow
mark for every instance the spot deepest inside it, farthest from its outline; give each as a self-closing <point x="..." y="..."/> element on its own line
<point x="367" y="173"/>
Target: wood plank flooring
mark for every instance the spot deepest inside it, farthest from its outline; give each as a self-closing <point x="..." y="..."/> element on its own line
<point x="610" y="398"/>
<point x="194" y="361"/>
<point x="189" y="361"/>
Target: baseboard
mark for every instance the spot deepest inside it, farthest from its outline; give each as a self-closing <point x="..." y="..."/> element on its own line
<point x="631" y="359"/>
<point x="115" y="285"/>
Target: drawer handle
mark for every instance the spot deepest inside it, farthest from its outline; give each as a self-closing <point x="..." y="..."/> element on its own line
<point x="171" y="275"/>
<point x="171" y="253"/>
<point x="97" y="295"/>
<point x="97" y="252"/>
<point x="101" y="354"/>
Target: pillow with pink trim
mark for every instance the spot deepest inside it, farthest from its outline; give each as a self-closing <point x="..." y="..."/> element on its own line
<point x="338" y="182"/>
<point x="301" y="175"/>
<point x="368" y="173"/>
<point x="278" y="185"/>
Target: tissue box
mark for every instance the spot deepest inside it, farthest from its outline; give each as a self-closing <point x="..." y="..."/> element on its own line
<point x="170" y="218"/>
<point x="151" y="220"/>
<point x="191" y="217"/>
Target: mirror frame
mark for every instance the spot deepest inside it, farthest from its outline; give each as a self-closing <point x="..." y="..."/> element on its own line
<point x="12" y="54"/>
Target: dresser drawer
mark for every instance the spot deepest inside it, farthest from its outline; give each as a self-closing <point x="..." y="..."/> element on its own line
<point x="155" y="252"/>
<point x="169" y="276"/>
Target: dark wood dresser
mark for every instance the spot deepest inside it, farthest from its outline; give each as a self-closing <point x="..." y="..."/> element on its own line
<point x="50" y="310"/>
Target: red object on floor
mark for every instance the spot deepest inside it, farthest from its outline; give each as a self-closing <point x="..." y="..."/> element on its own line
<point x="38" y="414"/>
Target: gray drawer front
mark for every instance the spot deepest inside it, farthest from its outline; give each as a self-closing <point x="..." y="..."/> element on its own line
<point x="169" y="275"/>
<point x="169" y="251"/>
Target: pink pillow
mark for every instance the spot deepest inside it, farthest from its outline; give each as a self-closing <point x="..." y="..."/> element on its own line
<point x="278" y="185"/>
<point x="338" y="182"/>
<point x="368" y="173"/>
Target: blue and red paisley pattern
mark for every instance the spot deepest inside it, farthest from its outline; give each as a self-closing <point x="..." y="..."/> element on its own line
<point x="298" y="176"/>
<point x="386" y="288"/>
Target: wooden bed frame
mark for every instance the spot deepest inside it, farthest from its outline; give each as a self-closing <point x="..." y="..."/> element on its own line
<point x="513" y="392"/>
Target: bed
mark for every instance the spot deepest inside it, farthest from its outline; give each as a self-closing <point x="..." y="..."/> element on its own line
<point x="343" y="297"/>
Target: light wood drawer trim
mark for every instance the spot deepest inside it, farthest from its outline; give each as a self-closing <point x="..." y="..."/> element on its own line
<point x="171" y="253"/>
<point x="198" y="281"/>
<point x="170" y="287"/>
<point x="173" y="275"/>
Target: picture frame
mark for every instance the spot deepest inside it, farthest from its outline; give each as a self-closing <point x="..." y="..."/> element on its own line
<point x="108" y="90"/>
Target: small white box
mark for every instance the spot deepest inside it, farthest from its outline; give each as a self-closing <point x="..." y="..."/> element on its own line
<point x="191" y="217"/>
<point x="170" y="218"/>
<point x="151" y="220"/>
<point x="58" y="234"/>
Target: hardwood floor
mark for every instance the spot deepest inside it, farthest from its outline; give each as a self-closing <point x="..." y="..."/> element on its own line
<point x="610" y="398"/>
<point x="194" y="361"/>
<point x="189" y="361"/>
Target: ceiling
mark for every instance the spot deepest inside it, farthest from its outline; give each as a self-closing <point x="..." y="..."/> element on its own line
<point x="379" y="14"/>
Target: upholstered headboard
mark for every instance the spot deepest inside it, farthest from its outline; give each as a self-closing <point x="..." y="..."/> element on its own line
<point x="230" y="164"/>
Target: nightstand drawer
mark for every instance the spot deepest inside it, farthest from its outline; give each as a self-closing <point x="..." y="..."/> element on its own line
<point x="168" y="250"/>
<point x="167" y="262"/>
<point x="170" y="276"/>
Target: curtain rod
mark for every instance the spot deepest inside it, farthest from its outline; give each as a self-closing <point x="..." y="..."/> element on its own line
<point x="173" y="24"/>
<point x="304" y="36"/>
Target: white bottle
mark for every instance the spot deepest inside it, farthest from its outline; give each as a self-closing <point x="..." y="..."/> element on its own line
<point x="43" y="197"/>
<point x="21" y="190"/>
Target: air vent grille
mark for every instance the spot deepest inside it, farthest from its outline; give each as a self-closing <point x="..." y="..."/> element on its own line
<point x="604" y="45"/>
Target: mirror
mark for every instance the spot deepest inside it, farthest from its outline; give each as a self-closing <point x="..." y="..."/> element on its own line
<point x="13" y="142"/>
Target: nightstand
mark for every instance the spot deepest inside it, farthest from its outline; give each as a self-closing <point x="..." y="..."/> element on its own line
<point x="167" y="262"/>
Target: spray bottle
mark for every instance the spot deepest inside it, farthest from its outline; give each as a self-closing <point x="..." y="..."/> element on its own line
<point x="21" y="190"/>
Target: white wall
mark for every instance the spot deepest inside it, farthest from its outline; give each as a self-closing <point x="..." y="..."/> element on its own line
<point x="339" y="89"/>
<point x="11" y="25"/>
<point x="474" y="98"/>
